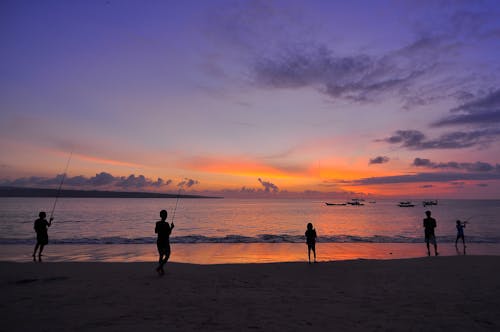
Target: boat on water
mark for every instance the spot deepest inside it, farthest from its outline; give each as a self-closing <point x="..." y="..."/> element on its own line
<point x="356" y="202"/>
<point x="429" y="203"/>
<point x="335" y="204"/>
<point x="406" y="204"/>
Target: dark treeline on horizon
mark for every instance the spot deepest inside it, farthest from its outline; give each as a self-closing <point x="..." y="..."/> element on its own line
<point x="45" y="192"/>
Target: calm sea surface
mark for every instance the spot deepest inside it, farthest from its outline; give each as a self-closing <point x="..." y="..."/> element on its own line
<point x="254" y="223"/>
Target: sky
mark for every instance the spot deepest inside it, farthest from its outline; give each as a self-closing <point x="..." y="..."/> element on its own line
<point x="319" y="99"/>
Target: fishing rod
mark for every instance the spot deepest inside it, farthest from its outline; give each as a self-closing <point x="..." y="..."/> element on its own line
<point x="176" y="202"/>
<point x="60" y="186"/>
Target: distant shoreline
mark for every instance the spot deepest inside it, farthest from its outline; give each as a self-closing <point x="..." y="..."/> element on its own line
<point x="46" y="192"/>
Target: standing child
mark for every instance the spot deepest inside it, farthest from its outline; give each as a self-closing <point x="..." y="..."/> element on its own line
<point x="42" y="236"/>
<point x="163" y="229"/>
<point x="311" y="241"/>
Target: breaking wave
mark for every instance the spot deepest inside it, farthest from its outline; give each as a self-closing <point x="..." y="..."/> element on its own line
<point x="264" y="238"/>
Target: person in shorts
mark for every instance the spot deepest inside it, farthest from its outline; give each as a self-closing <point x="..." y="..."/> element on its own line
<point x="163" y="229"/>
<point x="42" y="237"/>
<point x="429" y="225"/>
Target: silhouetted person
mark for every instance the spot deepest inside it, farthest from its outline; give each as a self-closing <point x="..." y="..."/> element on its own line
<point x="163" y="229"/>
<point x="42" y="236"/>
<point x="460" y="233"/>
<point x="311" y="241"/>
<point x="429" y="225"/>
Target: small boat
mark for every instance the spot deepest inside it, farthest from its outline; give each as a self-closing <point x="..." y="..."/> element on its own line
<point x="406" y="204"/>
<point x="335" y="204"/>
<point x="428" y="203"/>
<point x="356" y="202"/>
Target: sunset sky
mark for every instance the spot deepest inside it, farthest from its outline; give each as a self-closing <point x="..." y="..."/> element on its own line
<point x="253" y="98"/>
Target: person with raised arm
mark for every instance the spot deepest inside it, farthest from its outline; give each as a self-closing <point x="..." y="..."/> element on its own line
<point x="42" y="237"/>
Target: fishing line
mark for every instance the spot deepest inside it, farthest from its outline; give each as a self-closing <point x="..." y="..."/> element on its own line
<point x="60" y="186"/>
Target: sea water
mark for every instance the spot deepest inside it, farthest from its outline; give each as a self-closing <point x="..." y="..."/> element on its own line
<point x="242" y="230"/>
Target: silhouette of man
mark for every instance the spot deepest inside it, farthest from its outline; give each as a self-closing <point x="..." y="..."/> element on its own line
<point x="460" y="233"/>
<point x="311" y="241"/>
<point x="429" y="225"/>
<point x="42" y="236"/>
<point x="163" y="229"/>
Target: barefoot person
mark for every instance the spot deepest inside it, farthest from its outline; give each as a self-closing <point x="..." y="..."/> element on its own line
<point x="429" y="225"/>
<point x="163" y="229"/>
<point x="311" y="241"/>
<point x="42" y="236"/>
<point x="460" y="233"/>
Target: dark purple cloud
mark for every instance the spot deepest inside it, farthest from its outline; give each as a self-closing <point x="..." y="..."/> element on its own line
<point x="478" y="166"/>
<point x="481" y="111"/>
<point x="268" y="186"/>
<point x="358" y="77"/>
<point x="100" y="180"/>
<point x="416" y="140"/>
<point x="188" y="183"/>
<point x="379" y="160"/>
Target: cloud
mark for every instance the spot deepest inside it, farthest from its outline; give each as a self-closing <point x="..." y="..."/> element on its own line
<point x="139" y="181"/>
<point x="268" y="186"/>
<point x="379" y="160"/>
<point x="478" y="166"/>
<point x="416" y="140"/>
<point x="188" y="183"/>
<point x="100" y="180"/>
<point x="425" y="177"/>
<point x="481" y="111"/>
<point x="358" y="77"/>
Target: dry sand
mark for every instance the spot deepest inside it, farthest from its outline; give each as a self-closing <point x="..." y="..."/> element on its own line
<point x="436" y="293"/>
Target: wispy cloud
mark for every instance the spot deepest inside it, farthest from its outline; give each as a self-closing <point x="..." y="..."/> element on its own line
<point x="424" y="177"/>
<point x="358" y="77"/>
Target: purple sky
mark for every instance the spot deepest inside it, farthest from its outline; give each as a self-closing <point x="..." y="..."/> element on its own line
<point x="284" y="98"/>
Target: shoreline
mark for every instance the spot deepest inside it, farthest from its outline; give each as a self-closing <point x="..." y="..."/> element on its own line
<point x="453" y="293"/>
<point x="228" y="253"/>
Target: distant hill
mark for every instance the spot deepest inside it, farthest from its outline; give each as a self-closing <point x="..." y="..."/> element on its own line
<point x="42" y="192"/>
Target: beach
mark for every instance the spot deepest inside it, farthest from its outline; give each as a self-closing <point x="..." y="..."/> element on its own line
<point x="459" y="293"/>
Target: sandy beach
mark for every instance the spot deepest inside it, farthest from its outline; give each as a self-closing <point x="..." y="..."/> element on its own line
<point x="434" y="293"/>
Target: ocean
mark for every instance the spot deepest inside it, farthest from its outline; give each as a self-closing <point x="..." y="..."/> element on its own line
<point x="241" y="230"/>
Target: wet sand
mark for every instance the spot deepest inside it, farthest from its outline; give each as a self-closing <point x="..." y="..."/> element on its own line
<point x="459" y="293"/>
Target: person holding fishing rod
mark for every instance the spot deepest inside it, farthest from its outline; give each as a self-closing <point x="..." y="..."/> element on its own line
<point x="460" y="233"/>
<point x="42" y="236"/>
<point x="41" y="224"/>
<point x="163" y="229"/>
